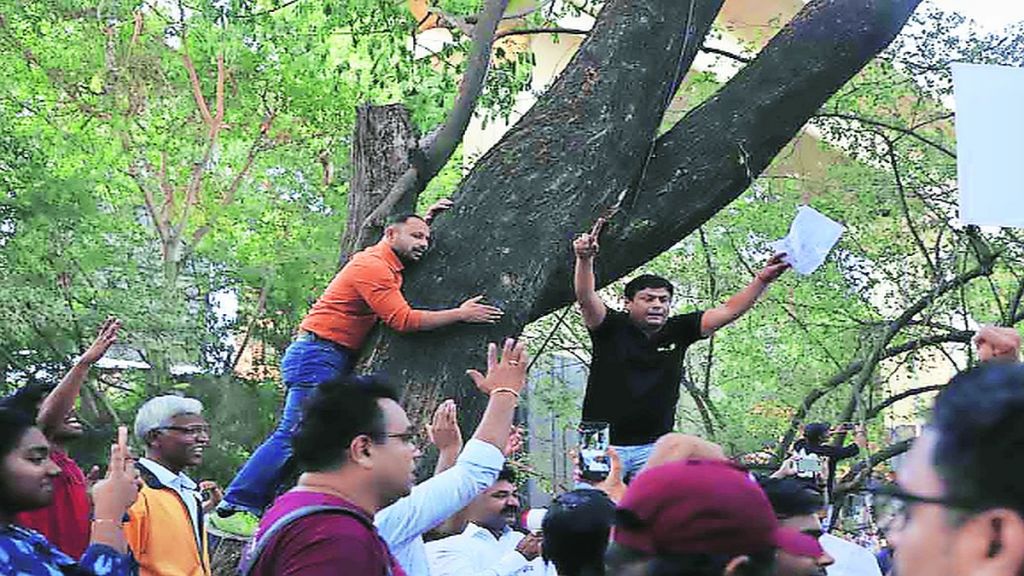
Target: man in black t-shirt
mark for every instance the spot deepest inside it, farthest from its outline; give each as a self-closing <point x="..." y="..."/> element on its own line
<point x="637" y="358"/>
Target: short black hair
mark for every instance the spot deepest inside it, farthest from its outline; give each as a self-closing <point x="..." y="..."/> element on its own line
<point x="27" y="398"/>
<point x="13" y="425"/>
<point x="403" y="218"/>
<point x="576" y="529"/>
<point x="979" y="422"/>
<point x="619" y="557"/>
<point x="336" y="413"/>
<point x="647" y="281"/>
<point x="815" y="432"/>
<point x="790" y="497"/>
<point x="508" y="474"/>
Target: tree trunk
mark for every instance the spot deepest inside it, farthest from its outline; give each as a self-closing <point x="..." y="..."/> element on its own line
<point x="583" y="148"/>
<point x="383" y="146"/>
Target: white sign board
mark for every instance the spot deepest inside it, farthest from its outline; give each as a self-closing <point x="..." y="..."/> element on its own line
<point x="990" y="143"/>
<point x="811" y="237"/>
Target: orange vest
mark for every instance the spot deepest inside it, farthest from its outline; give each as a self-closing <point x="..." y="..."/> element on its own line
<point x="160" y="533"/>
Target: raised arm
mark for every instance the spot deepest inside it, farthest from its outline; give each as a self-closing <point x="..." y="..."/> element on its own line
<point x="444" y="433"/>
<point x="585" y="246"/>
<point x="743" y="300"/>
<point x="61" y="400"/>
<point x="440" y="497"/>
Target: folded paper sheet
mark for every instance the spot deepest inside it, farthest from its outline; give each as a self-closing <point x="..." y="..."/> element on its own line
<point x="990" y="143"/>
<point x="811" y="237"/>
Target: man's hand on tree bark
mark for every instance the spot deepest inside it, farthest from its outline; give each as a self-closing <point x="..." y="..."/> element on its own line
<point x="442" y="205"/>
<point x="474" y="312"/>
<point x="773" y="269"/>
<point x="585" y="245"/>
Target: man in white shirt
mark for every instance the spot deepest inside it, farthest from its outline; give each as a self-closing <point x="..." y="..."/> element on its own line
<point x="489" y="546"/>
<point x="403" y="523"/>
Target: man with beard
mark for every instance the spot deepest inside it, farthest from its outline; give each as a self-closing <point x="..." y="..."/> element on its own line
<point x="489" y="546"/>
<point x="638" y="354"/>
<point x="65" y="521"/>
<point x="331" y="336"/>
<point x="165" y="528"/>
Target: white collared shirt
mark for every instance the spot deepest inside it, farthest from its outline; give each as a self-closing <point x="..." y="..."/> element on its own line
<point x="476" y="552"/>
<point x="186" y="488"/>
<point x="851" y="559"/>
<point x="403" y="524"/>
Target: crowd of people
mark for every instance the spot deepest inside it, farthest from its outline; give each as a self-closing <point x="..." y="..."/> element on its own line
<point x="669" y="504"/>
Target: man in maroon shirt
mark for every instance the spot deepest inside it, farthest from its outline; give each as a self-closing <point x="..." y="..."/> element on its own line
<point x="65" y="522"/>
<point x="358" y="452"/>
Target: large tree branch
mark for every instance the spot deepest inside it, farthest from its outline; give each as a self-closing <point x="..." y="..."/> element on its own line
<point x="454" y="127"/>
<point x="878" y="408"/>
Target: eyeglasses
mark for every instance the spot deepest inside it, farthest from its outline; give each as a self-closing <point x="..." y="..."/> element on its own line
<point x="193" y="431"/>
<point x="410" y="438"/>
<point x="892" y="506"/>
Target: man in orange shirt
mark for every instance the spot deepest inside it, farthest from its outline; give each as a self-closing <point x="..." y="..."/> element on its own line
<point x="331" y="335"/>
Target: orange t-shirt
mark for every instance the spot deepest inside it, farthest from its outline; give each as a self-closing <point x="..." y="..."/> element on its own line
<point x="367" y="288"/>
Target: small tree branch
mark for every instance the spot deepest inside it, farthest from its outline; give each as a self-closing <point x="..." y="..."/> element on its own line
<point x="879" y="124"/>
<point x="862" y="470"/>
<point x="261" y="304"/>
<point x="726" y="53"/>
<point x="448" y="138"/>
<point x="528" y="31"/>
<point x="877" y="409"/>
<point x="197" y="89"/>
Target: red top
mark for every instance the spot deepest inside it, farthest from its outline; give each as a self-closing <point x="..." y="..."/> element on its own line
<point x="65" y="522"/>
<point x="322" y="544"/>
<point x="367" y="288"/>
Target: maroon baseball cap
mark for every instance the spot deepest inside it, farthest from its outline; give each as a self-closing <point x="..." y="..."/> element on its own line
<point x="703" y="507"/>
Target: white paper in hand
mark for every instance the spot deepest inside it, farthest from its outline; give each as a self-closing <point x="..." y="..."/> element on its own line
<point x="989" y="147"/>
<point x="811" y="237"/>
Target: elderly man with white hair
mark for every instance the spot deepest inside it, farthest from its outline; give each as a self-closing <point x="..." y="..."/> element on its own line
<point x="165" y="528"/>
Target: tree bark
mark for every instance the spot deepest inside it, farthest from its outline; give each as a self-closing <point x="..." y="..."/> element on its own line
<point x="382" y="149"/>
<point x="584" y="148"/>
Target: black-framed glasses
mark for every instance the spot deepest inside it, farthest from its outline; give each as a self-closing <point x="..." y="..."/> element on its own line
<point x="892" y="505"/>
<point x="410" y="438"/>
<point x="193" y="431"/>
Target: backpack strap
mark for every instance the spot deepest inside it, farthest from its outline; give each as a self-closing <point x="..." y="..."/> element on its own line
<point x="258" y="545"/>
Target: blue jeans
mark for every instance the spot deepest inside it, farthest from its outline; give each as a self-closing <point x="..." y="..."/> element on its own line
<point x="633" y="459"/>
<point x="305" y="365"/>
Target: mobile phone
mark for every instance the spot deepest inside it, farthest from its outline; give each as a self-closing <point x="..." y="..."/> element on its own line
<point x="593" y="450"/>
<point x="808" y="465"/>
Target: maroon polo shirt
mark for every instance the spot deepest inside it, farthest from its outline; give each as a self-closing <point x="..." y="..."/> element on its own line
<point x="323" y="544"/>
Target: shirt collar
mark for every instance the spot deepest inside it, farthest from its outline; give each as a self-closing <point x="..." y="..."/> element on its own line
<point x="168" y="478"/>
<point x="476" y="531"/>
<point x="383" y="249"/>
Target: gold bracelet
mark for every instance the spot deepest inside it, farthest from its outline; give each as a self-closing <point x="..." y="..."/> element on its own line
<point x="104" y="520"/>
<point x="506" y="390"/>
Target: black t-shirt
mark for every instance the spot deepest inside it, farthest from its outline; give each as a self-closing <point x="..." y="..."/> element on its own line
<point x="634" y="380"/>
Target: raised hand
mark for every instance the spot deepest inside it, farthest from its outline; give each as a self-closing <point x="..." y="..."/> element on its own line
<point x="508" y="371"/>
<point x="515" y="442"/>
<point x="474" y="312"/>
<point x="773" y="269"/>
<point x="585" y="245"/>
<point x="113" y="495"/>
<point x="104" y="340"/>
<point x="443" y="431"/>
